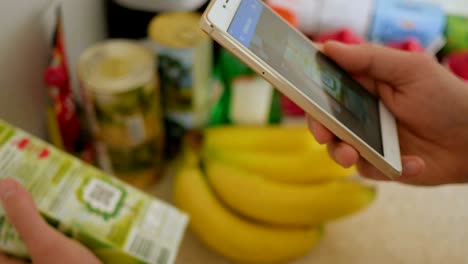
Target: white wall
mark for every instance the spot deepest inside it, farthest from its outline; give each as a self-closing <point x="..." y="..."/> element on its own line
<point x="84" y="25"/>
<point x="458" y="7"/>
<point x="24" y="54"/>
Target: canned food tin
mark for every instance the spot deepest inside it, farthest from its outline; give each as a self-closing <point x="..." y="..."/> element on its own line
<point x="185" y="67"/>
<point x="120" y="90"/>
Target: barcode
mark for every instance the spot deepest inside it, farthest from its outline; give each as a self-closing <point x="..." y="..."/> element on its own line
<point x="102" y="196"/>
<point x="147" y="249"/>
<point x="163" y="256"/>
<point x="142" y="247"/>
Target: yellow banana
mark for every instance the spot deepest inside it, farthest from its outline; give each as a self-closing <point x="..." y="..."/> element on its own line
<point x="286" y="204"/>
<point x="231" y="235"/>
<point x="259" y="138"/>
<point x="293" y="167"/>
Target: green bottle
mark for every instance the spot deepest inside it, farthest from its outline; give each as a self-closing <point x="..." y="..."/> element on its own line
<point x="247" y="98"/>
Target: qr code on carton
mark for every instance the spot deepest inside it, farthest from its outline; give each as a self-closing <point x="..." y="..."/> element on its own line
<point x="102" y="196"/>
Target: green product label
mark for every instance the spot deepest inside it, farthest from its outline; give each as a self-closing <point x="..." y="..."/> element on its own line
<point x="128" y="118"/>
<point x="5" y="134"/>
<point x="116" y="221"/>
<point x="185" y="77"/>
<point x="134" y="159"/>
<point x="175" y="72"/>
<point x="141" y="100"/>
<point x="101" y="197"/>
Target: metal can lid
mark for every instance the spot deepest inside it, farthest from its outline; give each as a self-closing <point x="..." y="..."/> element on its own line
<point x="116" y="66"/>
<point x="176" y="29"/>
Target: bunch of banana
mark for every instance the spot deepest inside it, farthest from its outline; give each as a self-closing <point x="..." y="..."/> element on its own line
<point x="263" y="194"/>
<point x="283" y="153"/>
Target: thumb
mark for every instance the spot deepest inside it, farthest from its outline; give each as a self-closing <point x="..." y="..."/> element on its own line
<point x="377" y="62"/>
<point x="45" y="244"/>
<point x="23" y="214"/>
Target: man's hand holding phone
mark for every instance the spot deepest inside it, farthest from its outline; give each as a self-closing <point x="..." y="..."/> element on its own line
<point x="417" y="116"/>
<point x="429" y="104"/>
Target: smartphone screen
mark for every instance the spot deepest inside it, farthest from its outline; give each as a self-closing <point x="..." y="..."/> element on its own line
<point x="292" y="56"/>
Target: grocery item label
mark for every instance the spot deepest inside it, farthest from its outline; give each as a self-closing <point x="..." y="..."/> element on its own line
<point x="186" y="75"/>
<point x="102" y="197"/>
<point x="129" y="133"/>
<point x="120" y="88"/>
<point x="113" y="219"/>
<point x="251" y="100"/>
<point x="129" y="118"/>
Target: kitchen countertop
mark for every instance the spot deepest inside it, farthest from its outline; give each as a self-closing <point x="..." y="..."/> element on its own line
<point x="404" y="225"/>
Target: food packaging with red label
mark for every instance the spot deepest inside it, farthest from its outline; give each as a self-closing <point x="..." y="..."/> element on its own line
<point x="409" y="44"/>
<point x="458" y="64"/>
<point x="64" y="123"/>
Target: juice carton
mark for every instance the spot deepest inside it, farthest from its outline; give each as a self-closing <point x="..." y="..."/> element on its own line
<point x="119" y="223"/>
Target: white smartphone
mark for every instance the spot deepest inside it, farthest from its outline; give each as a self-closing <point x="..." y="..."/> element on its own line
<point x="296" y="67"/>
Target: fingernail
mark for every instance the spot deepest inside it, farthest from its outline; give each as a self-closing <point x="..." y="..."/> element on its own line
<point x="411" y="168"/>
<point x="7" y="189"/>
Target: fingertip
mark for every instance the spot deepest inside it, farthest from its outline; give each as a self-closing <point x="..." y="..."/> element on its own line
<point x="330" y="47"/>
<point x="346" y="155"/>
<point x="367" y="170"/>
<point x="321" y="133"/>
<point x="319" y="46"/>
<point x="412" y="166"/>
<point x="8" y="188"/>
<point x="22" y="212"/>
<point x="15" y="199"/>
<point x="342" y="153"/>
<point x="333" y="43"/>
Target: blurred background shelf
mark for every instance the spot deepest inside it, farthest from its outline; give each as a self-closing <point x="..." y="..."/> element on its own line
<point x="24" y="51"/>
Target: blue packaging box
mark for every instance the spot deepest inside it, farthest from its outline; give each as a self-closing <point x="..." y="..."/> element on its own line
<point x="396" y="20"/>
